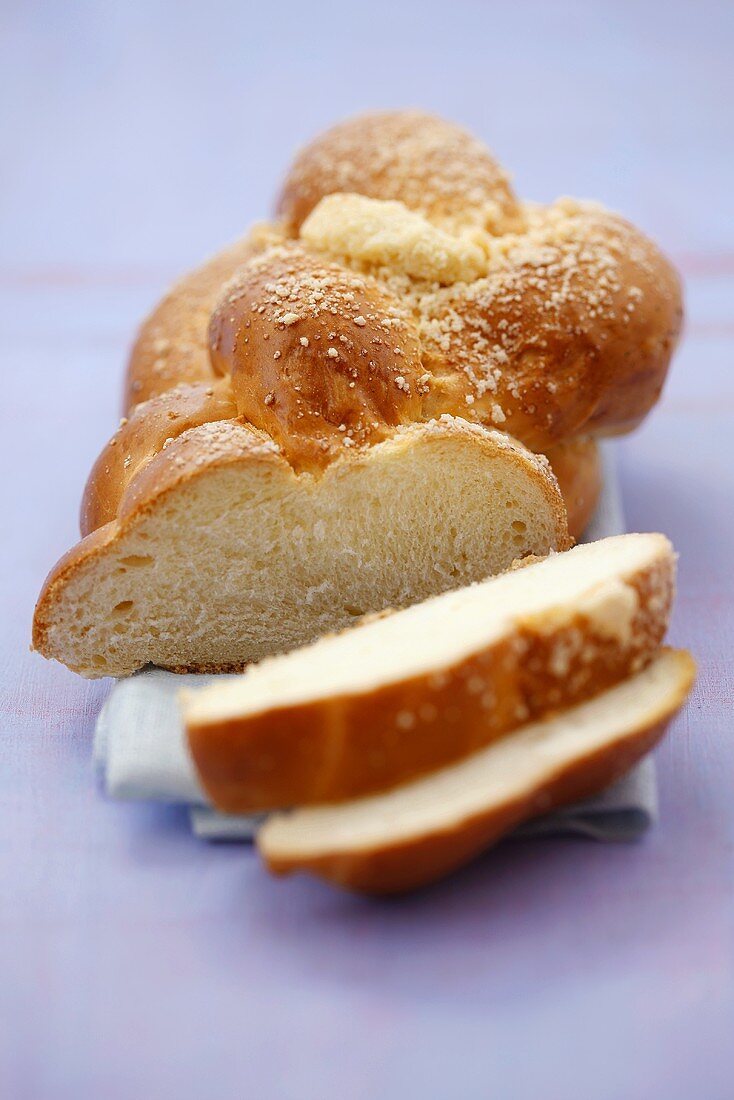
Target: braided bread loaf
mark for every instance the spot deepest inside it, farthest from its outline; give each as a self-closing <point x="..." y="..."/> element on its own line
<point x="312" y="417"/>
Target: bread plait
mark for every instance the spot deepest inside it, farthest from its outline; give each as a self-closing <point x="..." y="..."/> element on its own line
<point x="151" y="426"/>
<point x="320" y="357"/>
<point x="171" y="346"/>
<point x="548" y="322"/>
<point x="563" y="329"/>
<point x="403" y="282"/>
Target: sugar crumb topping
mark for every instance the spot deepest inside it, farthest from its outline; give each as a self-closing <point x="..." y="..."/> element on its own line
<point x="380" y="233"/>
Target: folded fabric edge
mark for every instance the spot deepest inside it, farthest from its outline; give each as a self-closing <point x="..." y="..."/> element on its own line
<point x="623" y="812"/>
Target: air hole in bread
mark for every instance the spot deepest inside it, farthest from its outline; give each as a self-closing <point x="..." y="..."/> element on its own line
<point x="124" y="607"/>
<point x="136" y="560"/>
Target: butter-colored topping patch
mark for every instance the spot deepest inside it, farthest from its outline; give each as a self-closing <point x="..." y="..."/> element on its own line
<point x="611" y="609"/>
<point x="387" y="234"/>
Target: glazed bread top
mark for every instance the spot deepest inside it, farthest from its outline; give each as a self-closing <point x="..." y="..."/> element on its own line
<point x="429" y="165"/>
<point x="402" y="280"/>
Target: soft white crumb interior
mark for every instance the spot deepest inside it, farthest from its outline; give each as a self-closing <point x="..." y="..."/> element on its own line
<point x="245" y="558"/>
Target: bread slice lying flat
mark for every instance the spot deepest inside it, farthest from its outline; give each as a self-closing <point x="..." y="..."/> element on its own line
<point x="417" y="833"/>
<point x="221" y="554"/>
<point x="405" y="693"/>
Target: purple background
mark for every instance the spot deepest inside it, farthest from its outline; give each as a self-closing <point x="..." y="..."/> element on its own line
<point x="136" y="962"/>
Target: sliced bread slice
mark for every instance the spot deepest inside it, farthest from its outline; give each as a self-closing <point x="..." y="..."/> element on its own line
<point x="417" y="833"/>
<point x="405" y="693"/>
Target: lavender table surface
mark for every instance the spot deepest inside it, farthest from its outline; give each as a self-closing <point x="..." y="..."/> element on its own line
<point x="136" y="962"/>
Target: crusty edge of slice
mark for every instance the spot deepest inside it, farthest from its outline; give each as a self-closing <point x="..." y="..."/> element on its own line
<point x="417" y="861"/>
<point x="345" y="746"/>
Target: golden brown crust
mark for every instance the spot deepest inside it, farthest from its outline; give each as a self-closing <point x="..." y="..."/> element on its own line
<point x="571" y="327"/>
<point x="336" y="748"/>
<point x="321" y="358"/>
<point x="415" y="863"/>
<point x="151" y="426"/>
<point x="53" y="586"/>
<point x="577" y="466"/>
<point x="420" y="860"/>
<point x="430" y="165"/>
<point x="171" y="345"/>
<point x="194" y="453"/>
<point x="570" y="332"/>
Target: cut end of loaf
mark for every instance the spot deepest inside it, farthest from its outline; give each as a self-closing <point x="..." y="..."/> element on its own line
<point x="222" y="554"/>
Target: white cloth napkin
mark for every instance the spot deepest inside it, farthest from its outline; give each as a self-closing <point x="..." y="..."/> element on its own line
<point x="140" y="751"/>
